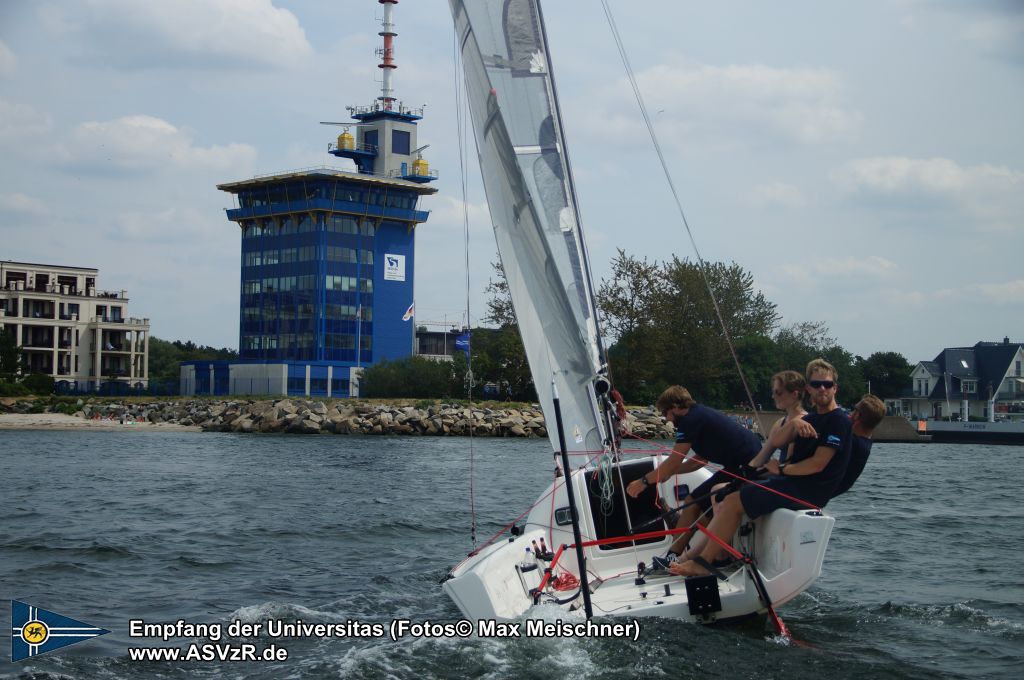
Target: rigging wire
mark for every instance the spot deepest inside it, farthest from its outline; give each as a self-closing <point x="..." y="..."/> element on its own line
<point x="679" y="206"/>
<point x="460" y="134"/>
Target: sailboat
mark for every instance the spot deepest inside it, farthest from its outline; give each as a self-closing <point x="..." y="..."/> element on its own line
<point x="585" y="542"/>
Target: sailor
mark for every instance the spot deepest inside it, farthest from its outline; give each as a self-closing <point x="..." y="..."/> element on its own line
<point x="712" y="437"/>
<point x="808" y="478"/>
<point x="865" y="417"/>
<point x="788" y="392"/>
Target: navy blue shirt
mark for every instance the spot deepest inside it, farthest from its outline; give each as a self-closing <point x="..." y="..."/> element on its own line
<point x="716" y="437"/>
<point x="859" y="452"/>
<point x="834" y="430"/>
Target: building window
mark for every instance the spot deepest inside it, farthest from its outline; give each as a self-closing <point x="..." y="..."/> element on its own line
<point x="400" y="142"/>
<point x="969" y="386"/>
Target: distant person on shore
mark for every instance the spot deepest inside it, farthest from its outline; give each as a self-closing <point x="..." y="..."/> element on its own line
<point x="865" y="416"/>
<point x="809" y="477"/>
<point x="709" y="434"/>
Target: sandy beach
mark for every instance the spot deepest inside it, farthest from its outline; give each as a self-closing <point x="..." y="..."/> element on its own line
<point x="60" y="421"/>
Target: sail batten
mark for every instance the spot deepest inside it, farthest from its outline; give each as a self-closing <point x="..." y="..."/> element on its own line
<point x="533" y="210"/>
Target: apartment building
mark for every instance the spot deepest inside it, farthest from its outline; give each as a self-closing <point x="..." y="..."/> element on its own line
<point x="71" y="330"/>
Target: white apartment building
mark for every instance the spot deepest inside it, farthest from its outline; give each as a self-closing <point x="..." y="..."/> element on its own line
<point x="69" y="329"/>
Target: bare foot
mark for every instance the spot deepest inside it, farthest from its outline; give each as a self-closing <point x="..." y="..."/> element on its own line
<point x="688" y="568"/>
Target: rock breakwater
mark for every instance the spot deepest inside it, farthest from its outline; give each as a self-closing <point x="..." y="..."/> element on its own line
<point x="303" y="416"/>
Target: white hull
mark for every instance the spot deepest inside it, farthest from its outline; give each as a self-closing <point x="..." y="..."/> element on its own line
<point x="788" y="547"/>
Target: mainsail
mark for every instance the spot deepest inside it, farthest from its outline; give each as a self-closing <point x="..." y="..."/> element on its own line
<point x="532" y="204"/>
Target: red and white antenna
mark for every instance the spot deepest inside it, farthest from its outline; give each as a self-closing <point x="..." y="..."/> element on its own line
<point x="387" y="53"/>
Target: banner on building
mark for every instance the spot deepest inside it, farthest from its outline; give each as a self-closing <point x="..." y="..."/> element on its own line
<point x="394" y="267"/>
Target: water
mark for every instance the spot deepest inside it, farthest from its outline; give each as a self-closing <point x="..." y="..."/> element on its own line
<point x="922" y="578"/>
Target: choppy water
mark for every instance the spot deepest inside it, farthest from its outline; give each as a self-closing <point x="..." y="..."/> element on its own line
<point x="922" y="579"/>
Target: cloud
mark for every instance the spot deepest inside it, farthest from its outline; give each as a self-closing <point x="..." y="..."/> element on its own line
<point x="817" y="269"/>
<point x="778" y="193"/>
<point x="8" y="62"/>
<point x="993" y="27"/>
<point x="173" y="225"/>
<point x="991" y="196"/>
<point x="18" y="121"/>
<point x="21" y="204"/>
<point x="997" y="293"/>
<point x="129" y="34"/>
<point x="769" y="104"/>
<point x="144" y="142"/>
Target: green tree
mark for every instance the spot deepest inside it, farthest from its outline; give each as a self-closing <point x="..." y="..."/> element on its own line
<point x="666" y="329"/>
<point x="625" y="302"/>
<point x="10" y="356"/>
<point x="164" y="357"/>
<point x="499" y="305"/>
<point x="412" y="377"/>
<point x="887" y="372"/>
<point x="498" y="353"/>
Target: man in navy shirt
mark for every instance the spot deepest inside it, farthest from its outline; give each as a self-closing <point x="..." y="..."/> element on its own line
<point x="807" y="479"/>
<point x="713" y="437"/>
<point x="865" y="416"/>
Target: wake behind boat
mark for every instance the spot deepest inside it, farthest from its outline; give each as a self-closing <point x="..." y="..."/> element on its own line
<point x="585" y="543"/>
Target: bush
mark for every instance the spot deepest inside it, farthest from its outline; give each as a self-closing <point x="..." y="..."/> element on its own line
<point x="12" y="389"/>
<point x="38" y="383"/>
<point x="413" y="377"/>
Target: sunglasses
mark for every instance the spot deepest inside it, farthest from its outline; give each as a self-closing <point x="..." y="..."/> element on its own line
<point x="819" y="384"/>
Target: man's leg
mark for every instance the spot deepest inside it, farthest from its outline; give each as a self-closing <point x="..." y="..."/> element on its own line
<point x="723" y="525"/>
<point x="686" y="518"/>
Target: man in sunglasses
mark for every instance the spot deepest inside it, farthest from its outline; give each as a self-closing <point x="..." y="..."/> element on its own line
<point x="807" y="479"/>
<point x="713" y="437"/>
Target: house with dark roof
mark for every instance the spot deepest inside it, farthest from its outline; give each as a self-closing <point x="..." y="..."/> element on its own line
<point x="981" y="382"/>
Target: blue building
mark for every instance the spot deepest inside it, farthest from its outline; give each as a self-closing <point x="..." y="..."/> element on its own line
<point x="327" y="263"/>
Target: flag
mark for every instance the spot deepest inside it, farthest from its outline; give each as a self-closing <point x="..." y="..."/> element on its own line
<point x="36" y="631"/>
<point x="409" y="313"/>
<point x="462" y="343"/>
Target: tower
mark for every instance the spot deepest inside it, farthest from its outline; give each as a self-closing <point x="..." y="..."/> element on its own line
<point x="328" y="258"/>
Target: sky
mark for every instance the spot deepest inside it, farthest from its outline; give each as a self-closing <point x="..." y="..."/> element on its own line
<point x="864" y="161"/>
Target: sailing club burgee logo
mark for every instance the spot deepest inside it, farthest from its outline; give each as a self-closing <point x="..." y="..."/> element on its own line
<point x="36" y="631"/>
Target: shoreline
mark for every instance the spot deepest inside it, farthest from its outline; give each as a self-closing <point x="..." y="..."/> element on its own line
<point x="61" y="421"/>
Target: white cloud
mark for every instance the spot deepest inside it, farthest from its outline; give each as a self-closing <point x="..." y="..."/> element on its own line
<point x="991" y="196"/>
<point x="8" y="62"/>
<point x="769" y="104"/>
<point x="997" y="293"/>
<point x="188" y="33"/>
<point x="22" y="204"/>
<point x="145" y="143"/>
<point x="174" y="225"/>
<point x="778" y="193"/>
<point x="817" y="269"/>
<point x="18" y="121"/>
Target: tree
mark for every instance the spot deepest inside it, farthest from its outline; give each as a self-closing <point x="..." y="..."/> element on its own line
<point x="666" y="328"/>
<point x="498" y="353"/>
<point x="414" y="377"/>
<point x="164" y="357"/>
<point x="499" y="306"/>
<point x="887" y="372"/>
<point x="10" y="356"/>
<point x="625" y="302"/>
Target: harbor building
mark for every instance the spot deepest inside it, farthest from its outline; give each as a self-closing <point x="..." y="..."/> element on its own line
<point x="70" y="329"/>
<point x="328" y="259"/>
<point x="984" y="382"/>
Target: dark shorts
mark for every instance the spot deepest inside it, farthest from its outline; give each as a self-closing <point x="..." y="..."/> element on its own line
<point x="759" y="501"/>
<point x="720" y="477"/>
